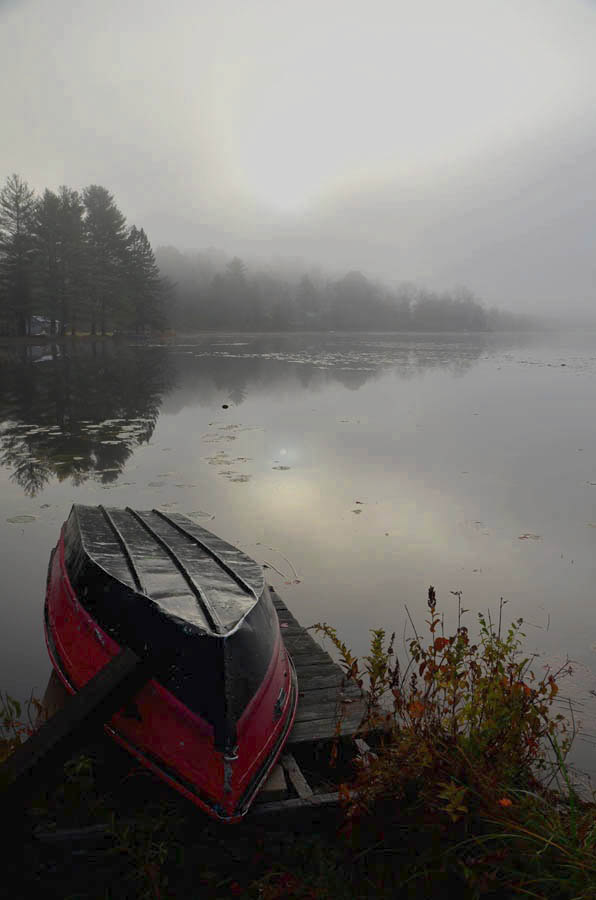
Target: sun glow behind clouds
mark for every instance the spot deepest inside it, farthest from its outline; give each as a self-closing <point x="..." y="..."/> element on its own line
<point x="331" y="94"/>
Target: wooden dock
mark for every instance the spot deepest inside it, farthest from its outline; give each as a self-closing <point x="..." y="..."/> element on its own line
<point x="324" y="696"/>
<point x="329" y="706"/>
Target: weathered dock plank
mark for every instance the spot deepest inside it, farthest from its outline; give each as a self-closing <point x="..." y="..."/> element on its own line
<point x="294" y="773"/>
<point x="325" y="696"/>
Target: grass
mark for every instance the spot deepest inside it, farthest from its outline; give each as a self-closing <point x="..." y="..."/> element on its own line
<point x="467" y="792"/>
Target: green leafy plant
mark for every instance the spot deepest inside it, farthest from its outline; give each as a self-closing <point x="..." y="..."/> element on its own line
<point x="148" y="842"/>
<point x="14" y="728"/>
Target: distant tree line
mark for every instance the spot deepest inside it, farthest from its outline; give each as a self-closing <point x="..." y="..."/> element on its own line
<point x="70" y="259"/>
<point x="214" y="292"/>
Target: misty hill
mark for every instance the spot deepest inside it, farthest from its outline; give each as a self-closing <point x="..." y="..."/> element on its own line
<point x="212" y="290"/>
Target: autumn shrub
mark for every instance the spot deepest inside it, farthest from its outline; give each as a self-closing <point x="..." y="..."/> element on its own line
<point x="464" y="745"/>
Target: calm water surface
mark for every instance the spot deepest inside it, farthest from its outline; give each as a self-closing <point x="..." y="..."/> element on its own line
<point x="359" y="468"/>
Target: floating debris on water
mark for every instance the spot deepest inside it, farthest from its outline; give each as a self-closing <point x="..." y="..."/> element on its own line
<point x="356" y="512"/>
<point x="528" y="536"/>
<point x="21" y="520"/>
<point x="281" y="468"/>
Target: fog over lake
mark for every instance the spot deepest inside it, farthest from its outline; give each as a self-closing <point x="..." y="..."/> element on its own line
<point x="361" y="468"/>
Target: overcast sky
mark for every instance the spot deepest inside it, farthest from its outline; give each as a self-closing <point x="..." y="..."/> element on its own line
<point x="441" y="142"/>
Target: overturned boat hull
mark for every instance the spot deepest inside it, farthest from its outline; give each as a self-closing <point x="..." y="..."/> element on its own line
<point x="215" y="716"/>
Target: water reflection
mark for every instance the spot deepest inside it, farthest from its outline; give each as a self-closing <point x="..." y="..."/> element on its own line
<point x="77" y="410"/>
<point x="238" y="365"/>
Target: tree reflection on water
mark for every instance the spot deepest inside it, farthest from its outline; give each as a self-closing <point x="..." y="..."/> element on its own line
<point x="77" y="410"/>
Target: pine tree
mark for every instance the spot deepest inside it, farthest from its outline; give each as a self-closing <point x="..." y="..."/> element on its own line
<point x="60" y="263"/>
<point x="17" y="251"/>
<point x="46" y="229"/>
<point x="106" y="241"/>
<point x="73" y="267"/>
<point x="145" y="286"/>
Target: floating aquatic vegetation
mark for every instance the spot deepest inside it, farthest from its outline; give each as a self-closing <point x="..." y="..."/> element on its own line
<point x="21" y="520"/>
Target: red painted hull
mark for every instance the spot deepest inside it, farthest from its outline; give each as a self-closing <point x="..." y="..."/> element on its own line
<point x="175" y="743"/>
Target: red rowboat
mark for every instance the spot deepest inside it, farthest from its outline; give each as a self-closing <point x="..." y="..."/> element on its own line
<point x="217" y="713"/>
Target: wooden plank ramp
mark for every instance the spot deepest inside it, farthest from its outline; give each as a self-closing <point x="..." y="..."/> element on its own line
<point x="325" y="697"/>
<point x="328" y="706"/>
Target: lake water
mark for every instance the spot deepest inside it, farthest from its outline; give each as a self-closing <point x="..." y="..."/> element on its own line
<point x="359" y="468"/>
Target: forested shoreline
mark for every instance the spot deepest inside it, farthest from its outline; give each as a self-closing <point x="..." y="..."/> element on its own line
<point x="70" y="264"/>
